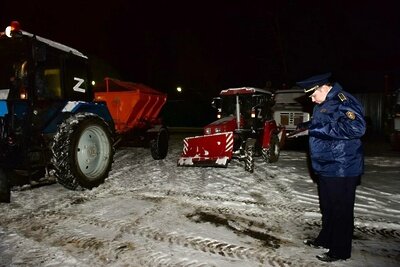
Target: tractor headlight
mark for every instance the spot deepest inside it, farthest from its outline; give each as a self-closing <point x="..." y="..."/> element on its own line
<point x="253" y="113"/>
<point x="207" y="131"/>
<point x="13" y="28"/>
<point x="217" y="130"/>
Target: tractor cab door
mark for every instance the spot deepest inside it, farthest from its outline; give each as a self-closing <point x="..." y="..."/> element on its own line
<point x="15" y="62"/>
<point x="48" y="91"/>
<point x="59" y="77"/>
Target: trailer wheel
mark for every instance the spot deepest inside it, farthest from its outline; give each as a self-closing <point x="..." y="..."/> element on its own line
<point x="249" y="159"/>
<point x="159" y="145"/>
<point x="5" y="190"/>
<point x="271" y="154"/>
<point x="82" y="151"/>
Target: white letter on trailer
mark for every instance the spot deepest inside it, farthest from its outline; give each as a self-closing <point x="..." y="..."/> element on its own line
<point x="76" y="87"/>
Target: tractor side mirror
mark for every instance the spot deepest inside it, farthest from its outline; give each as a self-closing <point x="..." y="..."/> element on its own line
<point x="216" y="103"/>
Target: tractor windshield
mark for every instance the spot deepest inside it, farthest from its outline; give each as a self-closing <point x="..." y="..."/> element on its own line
<point x="246" y="103"/>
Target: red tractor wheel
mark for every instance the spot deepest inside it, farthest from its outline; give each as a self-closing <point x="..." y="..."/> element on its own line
<point x="271" y="154"/>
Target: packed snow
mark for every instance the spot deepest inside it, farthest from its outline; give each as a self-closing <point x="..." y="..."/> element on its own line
<point x="154" y="213"/>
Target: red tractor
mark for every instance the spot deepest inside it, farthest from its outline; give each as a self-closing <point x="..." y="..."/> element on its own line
<point x="245" y="128"/>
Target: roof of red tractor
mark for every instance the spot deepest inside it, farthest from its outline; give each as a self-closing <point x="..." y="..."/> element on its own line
<point x="244" y="90"/>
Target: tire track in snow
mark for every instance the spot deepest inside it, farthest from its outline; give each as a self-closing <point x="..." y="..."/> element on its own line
<point x="73" y="232"/>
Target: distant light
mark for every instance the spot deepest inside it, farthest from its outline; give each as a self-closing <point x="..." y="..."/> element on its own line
<point x="179" y="89"/>
<point x="93" y="83"/>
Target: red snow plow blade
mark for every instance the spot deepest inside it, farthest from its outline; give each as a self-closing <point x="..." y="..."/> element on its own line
<point x="214" y="150"/>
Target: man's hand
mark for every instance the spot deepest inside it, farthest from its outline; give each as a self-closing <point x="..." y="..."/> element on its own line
<point x="298" y="132"/>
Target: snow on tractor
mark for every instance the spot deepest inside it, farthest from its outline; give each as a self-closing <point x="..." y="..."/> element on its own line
<point x="51" y="120"/>
<point x="245" y="129"/>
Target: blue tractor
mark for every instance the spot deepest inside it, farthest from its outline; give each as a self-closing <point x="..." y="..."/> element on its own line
<point x="49" y="121"/>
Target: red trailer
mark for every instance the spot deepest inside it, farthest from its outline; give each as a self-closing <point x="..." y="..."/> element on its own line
<point x="135" y="110"/>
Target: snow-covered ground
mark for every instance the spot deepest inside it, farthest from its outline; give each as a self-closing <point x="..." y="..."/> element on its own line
<point x="153" y="213"/>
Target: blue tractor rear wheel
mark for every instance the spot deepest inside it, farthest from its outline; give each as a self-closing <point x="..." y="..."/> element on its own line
<point x="82" y="151"/>
<point x="5" y="190"/>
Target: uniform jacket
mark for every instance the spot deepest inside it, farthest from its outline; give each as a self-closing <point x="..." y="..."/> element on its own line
<point x="334" y="132"/>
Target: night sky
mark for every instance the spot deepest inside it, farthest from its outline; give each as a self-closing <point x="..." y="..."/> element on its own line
<point x="205" y="46"/>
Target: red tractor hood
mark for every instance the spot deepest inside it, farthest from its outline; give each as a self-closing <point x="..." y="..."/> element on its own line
<point x="226" y="124"/>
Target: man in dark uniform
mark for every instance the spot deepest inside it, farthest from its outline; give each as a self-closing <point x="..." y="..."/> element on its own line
<point x="337" y="158"/>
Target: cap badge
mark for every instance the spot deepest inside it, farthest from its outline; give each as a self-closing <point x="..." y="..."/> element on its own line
<point x="350" y="115"/>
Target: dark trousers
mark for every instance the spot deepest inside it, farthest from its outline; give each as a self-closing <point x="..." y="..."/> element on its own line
<point x="336" y="198"/>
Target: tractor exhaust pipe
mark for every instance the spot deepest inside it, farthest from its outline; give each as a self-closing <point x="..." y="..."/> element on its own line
<point x="237" y="112"/>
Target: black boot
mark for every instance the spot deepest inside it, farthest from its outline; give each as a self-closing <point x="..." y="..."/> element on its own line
<point x="312" y="243"/>
<point x="326" y="257"/>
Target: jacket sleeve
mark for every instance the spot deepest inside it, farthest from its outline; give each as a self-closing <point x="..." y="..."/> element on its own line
<point x="350" y="124"/>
